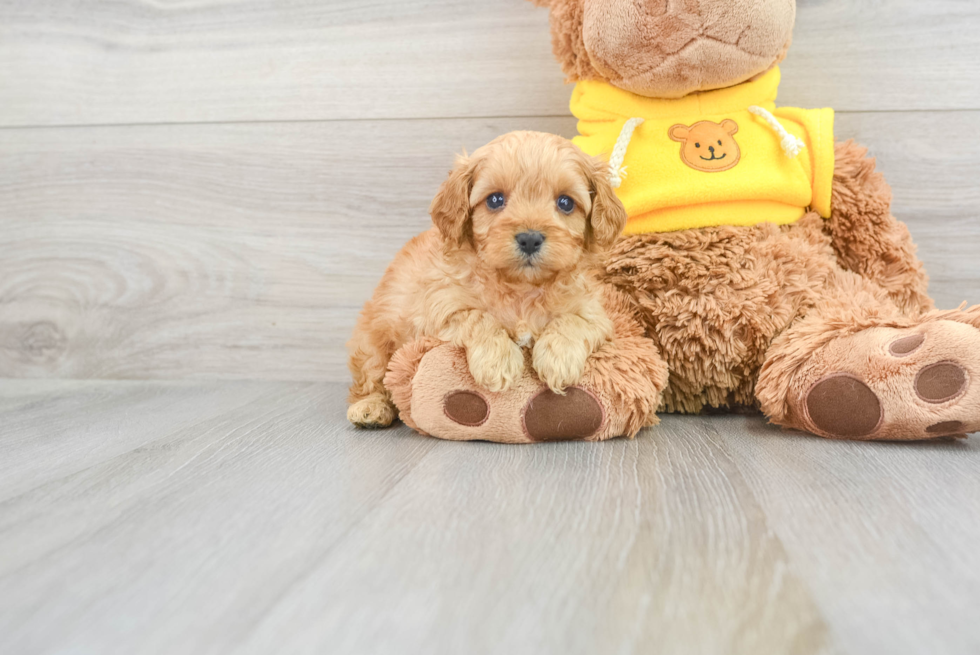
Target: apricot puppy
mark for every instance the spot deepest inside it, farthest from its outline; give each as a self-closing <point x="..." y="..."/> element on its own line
<point x="511" y="262"/>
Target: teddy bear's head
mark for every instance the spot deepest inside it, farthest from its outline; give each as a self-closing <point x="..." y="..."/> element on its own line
<point x="670" y="48"/>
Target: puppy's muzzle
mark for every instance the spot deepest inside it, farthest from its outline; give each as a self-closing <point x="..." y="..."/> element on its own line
<point x="529" y="242"/>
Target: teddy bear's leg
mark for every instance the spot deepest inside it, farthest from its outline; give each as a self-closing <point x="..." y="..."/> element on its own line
<point x="858" y="369"/>
<point x="431" y="385"/>
<point x="868" y="240"/>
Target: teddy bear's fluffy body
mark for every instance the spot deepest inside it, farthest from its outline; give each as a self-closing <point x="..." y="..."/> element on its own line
<point x="714" y="299"/>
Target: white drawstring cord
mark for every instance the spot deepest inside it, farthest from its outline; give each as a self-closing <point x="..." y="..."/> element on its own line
<point x="616" y="169"/>
<point x="791" y="145"/>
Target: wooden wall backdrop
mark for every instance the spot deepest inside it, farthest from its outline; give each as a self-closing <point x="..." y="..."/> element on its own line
<point x="212" y="189"/>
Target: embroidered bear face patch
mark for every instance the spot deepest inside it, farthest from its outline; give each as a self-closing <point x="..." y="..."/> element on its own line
<point x="708" y="146"/>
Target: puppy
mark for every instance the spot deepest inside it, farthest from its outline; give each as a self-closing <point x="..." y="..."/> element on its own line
<point x="512" y="258"/>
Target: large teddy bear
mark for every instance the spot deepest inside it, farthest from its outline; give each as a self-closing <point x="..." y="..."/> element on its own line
<point x="761" y="265"/>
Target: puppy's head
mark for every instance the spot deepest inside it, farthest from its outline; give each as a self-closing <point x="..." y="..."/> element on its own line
<point x="532" y="205"/>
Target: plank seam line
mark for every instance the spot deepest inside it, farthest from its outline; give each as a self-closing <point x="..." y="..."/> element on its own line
<point x="386" y="119"/>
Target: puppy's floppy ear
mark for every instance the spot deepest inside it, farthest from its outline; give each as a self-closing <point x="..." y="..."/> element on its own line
<point x="450" y="209"/>
<point x="608" y="216"/>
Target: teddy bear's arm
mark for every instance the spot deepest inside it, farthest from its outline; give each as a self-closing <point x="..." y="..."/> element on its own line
<point x="868" y="240"/>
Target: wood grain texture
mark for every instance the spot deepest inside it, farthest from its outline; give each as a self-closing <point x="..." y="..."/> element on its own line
<point x="875" y="530"/>
<point x="272" y="527"/>
<point x="246" y="251"/>
<point x="126" y="250"/>
<point x="93" y="62"/>
<point x="625" y="547"/>
<point x="248" y="517"/>
<point x="214" y="502"/>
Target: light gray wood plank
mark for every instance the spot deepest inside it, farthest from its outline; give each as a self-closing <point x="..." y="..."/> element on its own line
<point x="86" y="425"/>
<point x="885" y="535"/>
<point x="242" y="60"/>
<point x="245" y="251"/>
<point x="275" y="527"/>
<point x="866" y="55"/>
<point x="623" y="546"/>
<point x="935" y="189"/>
<point x="181" y="542"/>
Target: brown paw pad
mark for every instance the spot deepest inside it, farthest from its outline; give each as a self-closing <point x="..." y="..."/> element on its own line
<point x="947" y="428"/>
<point x="842" y="406"/>
<point x="939" y="383"/>
<point x="906" y="345"/>
<point x="550" y="417"/>
<point x="466" y="408"/>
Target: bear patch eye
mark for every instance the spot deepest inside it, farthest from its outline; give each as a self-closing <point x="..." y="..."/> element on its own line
<point x="565" y="204"/>
<point x="697" y="145"/>
<point x="495" y="200"/>
<point x="719" y="141"/>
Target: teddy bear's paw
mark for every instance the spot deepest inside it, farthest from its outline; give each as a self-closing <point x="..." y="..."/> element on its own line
<point x="446" y="402"/>
<point x="894" y="384"/>
<point x="372" y="412"/>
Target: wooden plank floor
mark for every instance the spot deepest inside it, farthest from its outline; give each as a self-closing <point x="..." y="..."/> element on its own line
<point x="196" y="198"/>
<point x="85" y="63"/>
<point x="247" y="517"/>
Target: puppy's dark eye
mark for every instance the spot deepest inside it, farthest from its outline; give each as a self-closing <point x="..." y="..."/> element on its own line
<point x="495" y="200"/>
<point x="697" y="145"/>
<point x="719" y="141"/>
<point x="565" y="204"/>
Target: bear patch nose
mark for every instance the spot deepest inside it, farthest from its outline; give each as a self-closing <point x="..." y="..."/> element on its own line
<point x="712" y="149"/>
<point x="529" y="242"/>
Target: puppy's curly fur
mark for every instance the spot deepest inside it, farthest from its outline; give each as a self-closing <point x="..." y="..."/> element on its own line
<point x="466" y="281"/>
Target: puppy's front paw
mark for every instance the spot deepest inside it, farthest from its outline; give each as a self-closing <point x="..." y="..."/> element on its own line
<point x="372" y="412"/>
<point x="559" y="361"/>
<point x="495" y="363"/>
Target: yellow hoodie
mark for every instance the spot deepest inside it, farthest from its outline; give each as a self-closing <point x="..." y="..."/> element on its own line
<point x="725" y="157"/>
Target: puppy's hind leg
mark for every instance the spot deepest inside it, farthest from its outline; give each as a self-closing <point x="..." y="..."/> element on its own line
<point x="370" y="404"/>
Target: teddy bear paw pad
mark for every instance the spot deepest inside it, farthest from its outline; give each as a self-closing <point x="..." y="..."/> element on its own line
<point x="948" y="429"/>
<point x="466" y="408"/>
<point x="844" y="407"/>
<point x="941" y="382"/>
<point x="549" y="416"/>
<point x="906" y="345"/>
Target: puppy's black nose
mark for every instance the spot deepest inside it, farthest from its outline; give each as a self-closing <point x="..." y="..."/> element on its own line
<point x="529" y="242"/>
<point x="712" y="149"/>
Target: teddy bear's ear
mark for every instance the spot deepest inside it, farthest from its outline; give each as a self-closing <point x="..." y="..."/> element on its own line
<point x="679" y="132"/>
<point x="608" y="216"/>
<point x="568" y="40"/>
<point x="729" y="126"/>
<point x="450" y="209"/>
